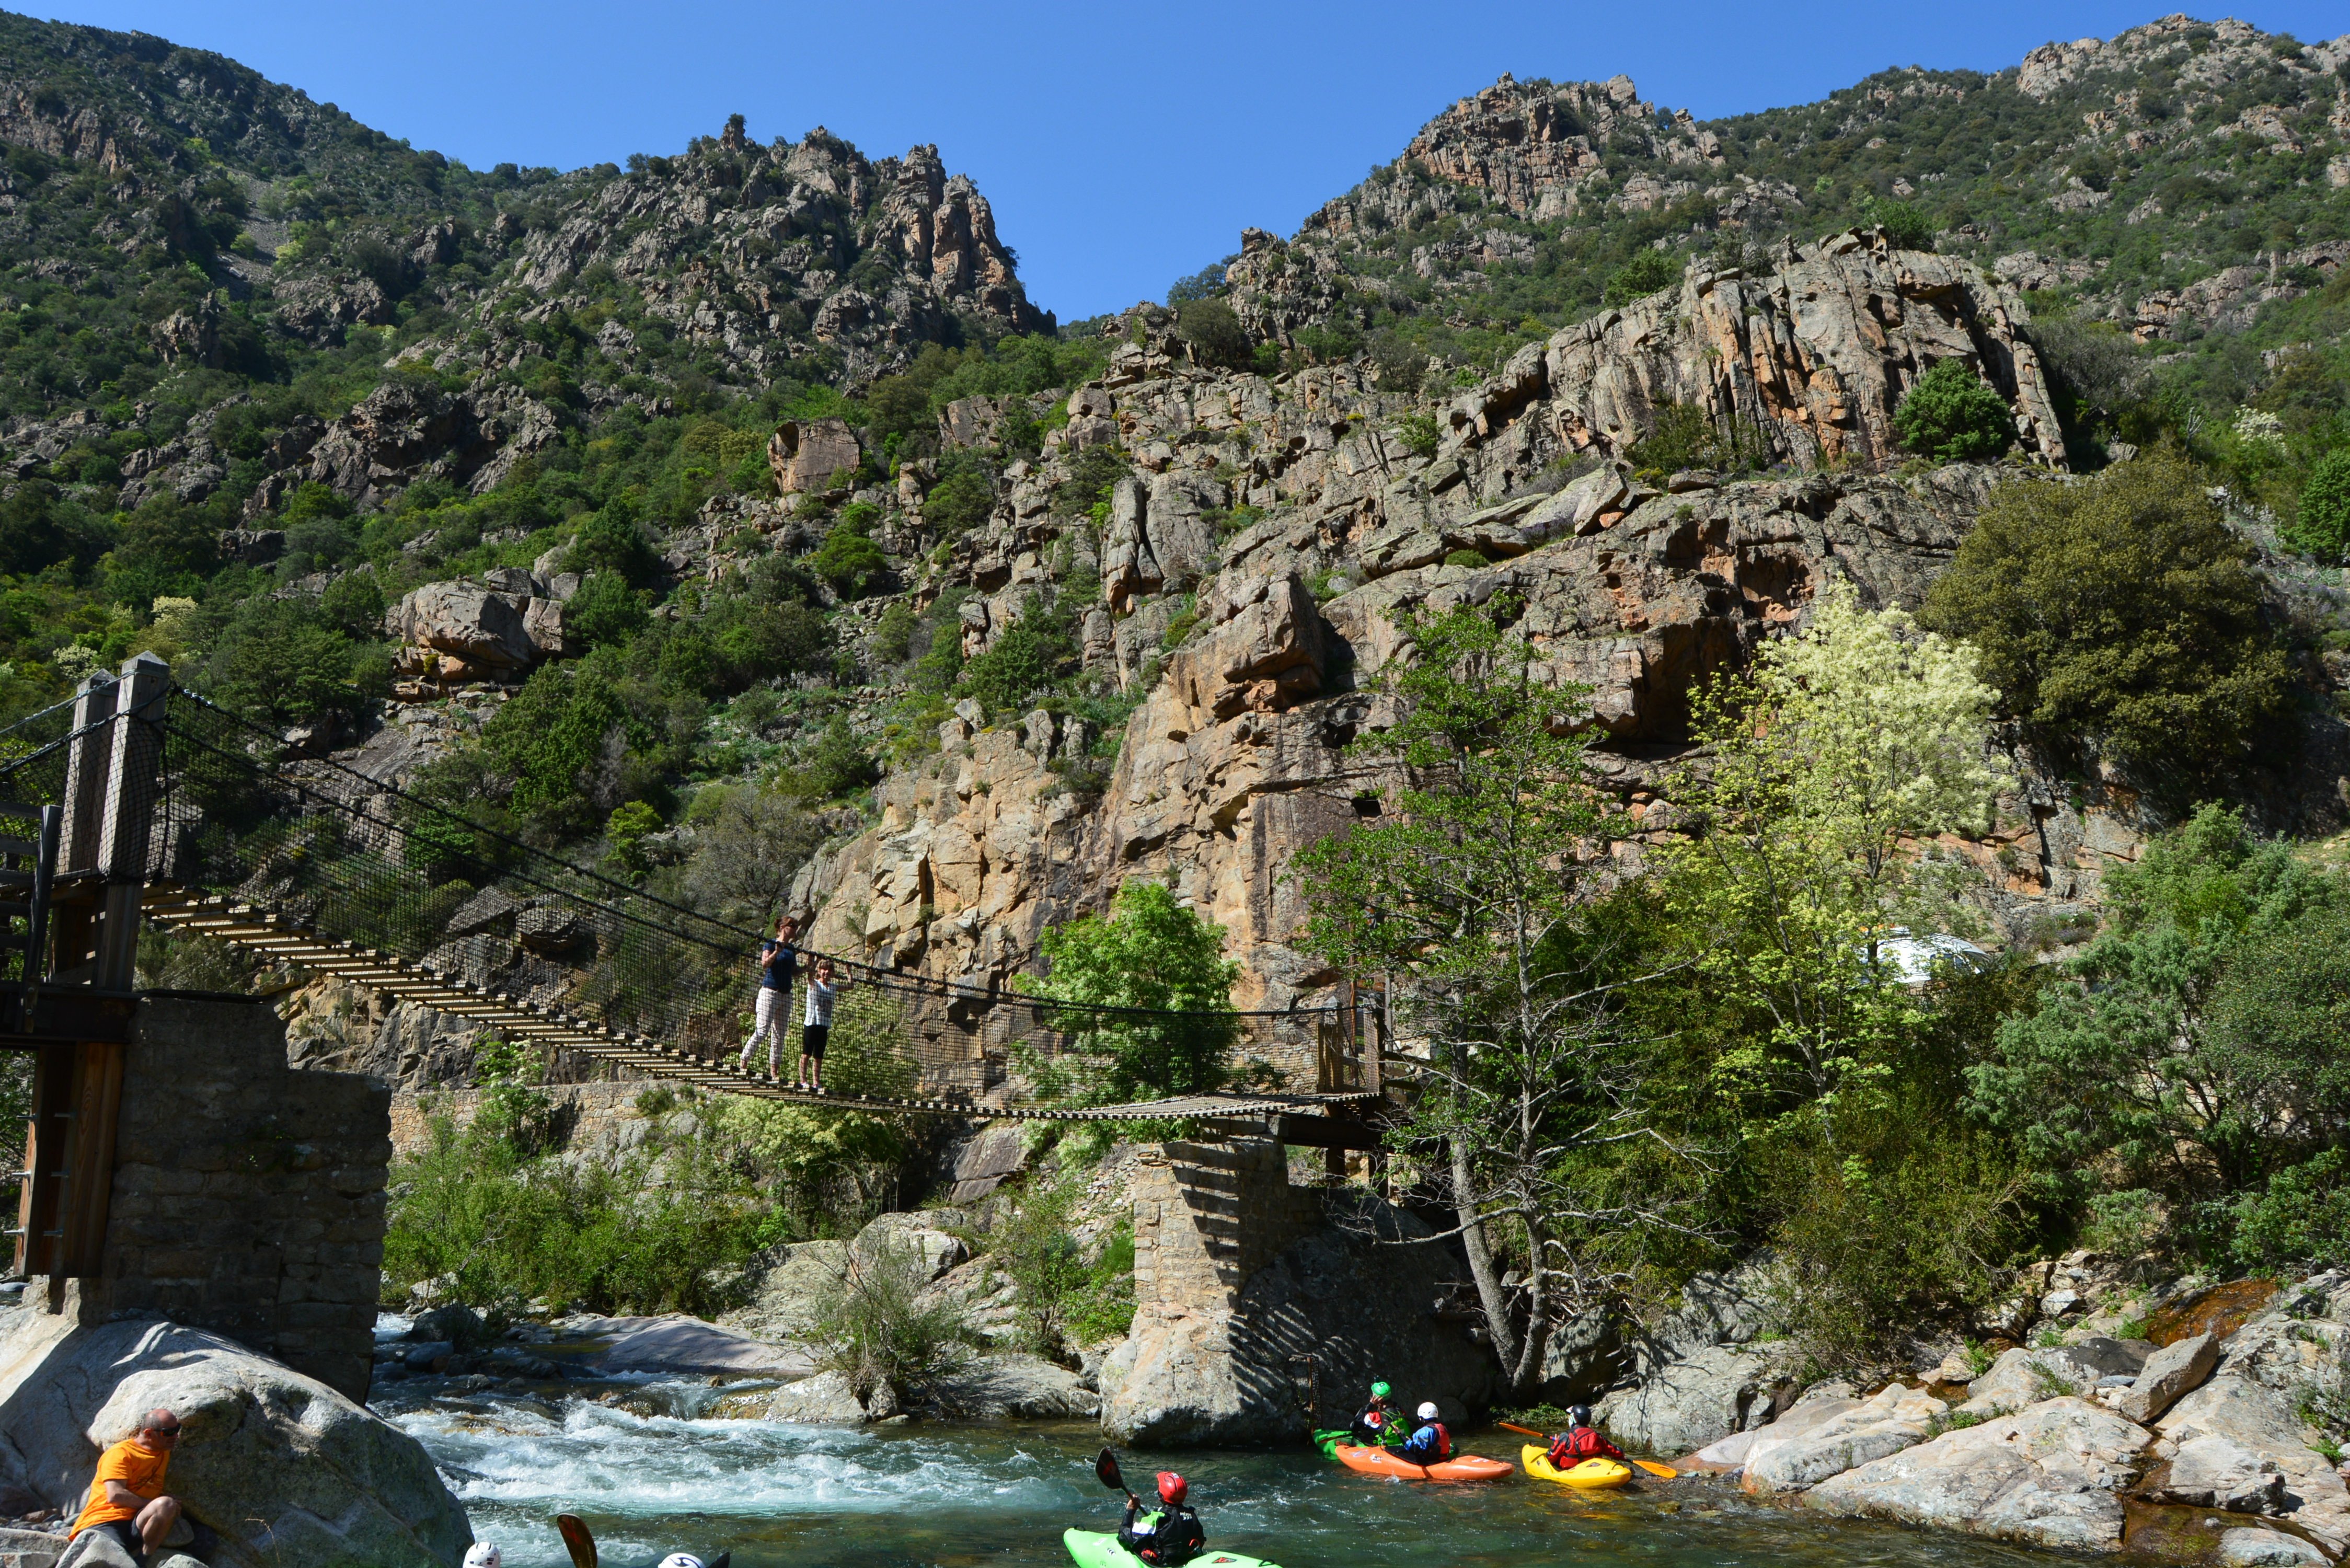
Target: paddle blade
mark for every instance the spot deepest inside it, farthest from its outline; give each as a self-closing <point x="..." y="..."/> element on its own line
<point x="723" y="1559"/>
<point x="1653" y="1468"/>
<point x="1106" y="1467"/>
<point x="1529" y="1432"/>
<point x="577" y="1540"/>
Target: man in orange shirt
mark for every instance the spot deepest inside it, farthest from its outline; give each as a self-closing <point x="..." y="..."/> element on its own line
<point x="126" y="1499"/>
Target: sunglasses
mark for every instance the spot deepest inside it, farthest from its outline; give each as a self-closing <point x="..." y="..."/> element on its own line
<point x="165" y="1431"/>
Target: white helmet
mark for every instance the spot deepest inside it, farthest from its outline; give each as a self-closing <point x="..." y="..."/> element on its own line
<point x="681" y="1560"/>
<point x="484" y="1554"/>
<point x="1428" y="1412"/>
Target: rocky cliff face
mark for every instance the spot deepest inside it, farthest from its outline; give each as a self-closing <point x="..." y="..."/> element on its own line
<point x="1248" y="644"/>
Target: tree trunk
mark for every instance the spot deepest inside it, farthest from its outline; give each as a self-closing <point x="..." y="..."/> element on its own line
<point x="1481" y="1266"/>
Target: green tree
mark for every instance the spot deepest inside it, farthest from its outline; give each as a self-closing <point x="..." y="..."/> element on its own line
<point x="2320" y="527"/>
<point x="848" y="558"/>
<point x="1152" y="955"/>
<point x="605" y="612"/>
<point x="625" y="832"/>
<point x="1026" y="657"/>
<point x="1470" y="886"/>
<point x="1214" y="333"/>
<point x="2120" y="606"/>
<point x="2192" y="1048"/>
<point x="1647" y="273"/>
<point x="1951" y="416"/>
<point x="1904" y="223"/>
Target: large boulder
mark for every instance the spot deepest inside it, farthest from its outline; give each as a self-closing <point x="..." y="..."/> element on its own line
<point x="1010" y="1387"/>
<point x="790" y="1286"/>
<point x="1898" y="1417"/>
<point x="2240" y="1438"/>
<point x="1701" y="1399"/>
<point x="2049" y="1476"/>
<point x="2021" y="1377"/>
<point x="680" y="1344"/>
<point x="484" y="629"/>
<point x="805" y="455"/>
<point x="2177" y="1369"/>
<point x="281" y="1466"/>
<point x="1817" y="1408"/>
<point x="923" y="1235"/>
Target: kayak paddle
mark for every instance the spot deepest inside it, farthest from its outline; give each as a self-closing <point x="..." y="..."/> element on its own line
<point x="1653" y="1468"/>
<point x="1105" y="1468"/>
<point x="577" y="1540"/>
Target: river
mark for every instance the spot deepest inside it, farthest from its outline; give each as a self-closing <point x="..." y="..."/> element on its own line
<point x="650" y="1476"/>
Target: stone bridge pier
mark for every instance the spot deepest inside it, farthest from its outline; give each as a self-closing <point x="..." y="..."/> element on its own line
<point x="241" y="1196"/>
<point x="1264" y="1309"/>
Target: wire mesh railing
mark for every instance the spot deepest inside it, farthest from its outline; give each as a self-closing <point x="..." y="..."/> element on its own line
<point x="232" y="810"/>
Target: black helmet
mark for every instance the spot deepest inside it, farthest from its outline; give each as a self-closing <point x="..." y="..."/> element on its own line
<point x="1580" y="1414"/>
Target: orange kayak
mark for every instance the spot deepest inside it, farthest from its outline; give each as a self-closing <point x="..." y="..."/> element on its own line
<point x="1381" y="1462"/>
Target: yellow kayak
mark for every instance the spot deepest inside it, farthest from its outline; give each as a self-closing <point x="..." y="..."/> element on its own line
<point x="1589" y="1476"/>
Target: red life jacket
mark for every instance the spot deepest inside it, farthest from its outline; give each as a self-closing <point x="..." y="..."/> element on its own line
<point x="1583" y="1443"/>
<point x="1443" y="1441"/>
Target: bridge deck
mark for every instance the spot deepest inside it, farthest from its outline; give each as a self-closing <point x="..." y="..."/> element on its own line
<point x="264" y="929"/>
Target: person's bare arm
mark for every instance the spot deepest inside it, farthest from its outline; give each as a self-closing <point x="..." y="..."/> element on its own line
<point x="122" y="1496"/>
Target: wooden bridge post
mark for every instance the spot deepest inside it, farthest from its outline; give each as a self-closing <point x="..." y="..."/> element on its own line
<point x="88" y="756"/>
<point x="133" y="786"/>
<point x="47" y="1136"/>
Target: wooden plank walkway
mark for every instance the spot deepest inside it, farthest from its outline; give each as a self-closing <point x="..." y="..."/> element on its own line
<point x="261" y="927"/>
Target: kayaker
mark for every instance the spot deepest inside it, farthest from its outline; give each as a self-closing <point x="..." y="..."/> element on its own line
<point x="1171" y="1535"/>
<point x="1376" y="1425"/>
<point x="485" y="1555"/>
<point x="1580" y="1441"/>
<point x="1430" y="1443"/>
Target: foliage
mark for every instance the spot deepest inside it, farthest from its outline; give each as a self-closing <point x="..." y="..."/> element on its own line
<point x="881" y="1334"/>
<point x="1949" y="415"/>
<point x="2300" y="1221"/>
<point x="1418" y="434"/>
<point x="1649" y="272"/>
<point x="1844" y="744"/>
<point x="1904" y="223"/>
<point x="1063" y="1299"/>
<point x="1026" y="657"/>
<point x="2120" y="606"/>
<point x="1468" y="887"/>
<point x="2168" y="1058"/>
<point x="1152" y="953"/>
<point x="2320" y="527"/>
<point x="848" y="558"/>
<point x="1214" y="333"/>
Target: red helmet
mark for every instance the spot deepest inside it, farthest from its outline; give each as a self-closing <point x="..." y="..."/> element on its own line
<point x="1172" y="1489"/>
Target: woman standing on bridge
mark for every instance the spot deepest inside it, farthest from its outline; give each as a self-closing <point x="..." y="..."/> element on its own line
<point x="779" y="961"/>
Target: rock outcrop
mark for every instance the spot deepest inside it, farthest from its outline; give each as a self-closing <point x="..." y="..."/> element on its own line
<point x="2050" y="1476"/>
<point x="1894" y="1419"/>
<point x="281" y="1466"/>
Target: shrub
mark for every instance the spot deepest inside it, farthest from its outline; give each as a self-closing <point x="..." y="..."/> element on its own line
<point x="881" y="1334"/>
<point x="1950" y="416"/>
<point x="2321" y="525"/>
<point x="2301" y="1220"/>
<point x="1646" y="273"/>
<point x="1154" y="954"/>
<point x="959" y="500"/>
<point x="1469" y="559"/>
<point x="1684" y="438"/>
<point x="1419" y="434"/>
<point x="604" y="610"/>
<point x="848" y="559"/>
<point x="1903" y="223"/>
<point x="1214" y="333"/>
<point x="2120" y="606"/>
<point x="1027" y="656"/>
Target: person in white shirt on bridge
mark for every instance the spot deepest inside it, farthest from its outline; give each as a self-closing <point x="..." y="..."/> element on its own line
<point x="817" y="1027"/>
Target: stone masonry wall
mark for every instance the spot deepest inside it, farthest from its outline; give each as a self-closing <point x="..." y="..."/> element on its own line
<point x="248" y="1197"/>
<point x="1207" y="1217"/>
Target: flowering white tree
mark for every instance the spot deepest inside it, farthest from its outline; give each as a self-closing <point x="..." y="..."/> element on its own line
<point x="1825" y="768"/>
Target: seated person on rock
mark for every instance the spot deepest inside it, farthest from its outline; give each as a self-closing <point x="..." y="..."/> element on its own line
<point x="126" y="1497"/>
<point x="1580" y="1441"/>
<point x="1380" y="1422"/>
<point x="1430" y="1444"/>
<point x="1169" y="1537"/>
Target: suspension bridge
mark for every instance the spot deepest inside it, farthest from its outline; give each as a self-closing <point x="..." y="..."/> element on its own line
<point x="138" y="802"/>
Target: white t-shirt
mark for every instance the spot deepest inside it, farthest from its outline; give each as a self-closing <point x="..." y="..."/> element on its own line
<point x="820" y="1001"/>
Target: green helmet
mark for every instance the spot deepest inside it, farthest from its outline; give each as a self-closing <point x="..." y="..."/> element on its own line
<point x="1380" y="1391"/>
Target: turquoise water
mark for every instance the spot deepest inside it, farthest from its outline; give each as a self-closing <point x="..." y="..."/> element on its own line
<point x="651" y="1477"/>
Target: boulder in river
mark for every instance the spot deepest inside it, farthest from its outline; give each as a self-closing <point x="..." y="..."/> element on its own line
<point x="680" y="1344"/>
<point x="789" y="1289"/>
<point x="2267" y="1549"/>
<point x="2021" y="1377"/>
<point x="1688" y="1404"/>
<point x="1894" y="1419"/>
<point x="1012" y="1387"/>
<point x="2048" y="1476"/>
<point x="282" y="1467"/>
<point x="2241" y="1439"/>
<point x="1818" y="1406"/>
<point x="2177" y="1369"/>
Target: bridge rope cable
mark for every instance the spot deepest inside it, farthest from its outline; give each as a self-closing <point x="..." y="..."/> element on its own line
<point x="323" y="865"/>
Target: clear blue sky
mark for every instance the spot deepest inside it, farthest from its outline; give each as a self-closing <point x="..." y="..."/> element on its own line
<point x="1121" y="145"/>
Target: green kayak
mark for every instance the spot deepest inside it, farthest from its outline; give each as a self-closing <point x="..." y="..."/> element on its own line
<point x="1329" y="1439"/>
<point x="1095" y="1548"/>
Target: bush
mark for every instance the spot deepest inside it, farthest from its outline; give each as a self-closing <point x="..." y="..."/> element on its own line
<point x="959" y="500"/>
<point x="1152" y="954"/>
<point x="1903" y="223"/>
<point x="1419" y="434"/>
<point x="605" y="612"/>
<point x="2321" y="525"/>
<point x="1950" y="416"/>
<point x="848" y="558"/>
<point x="1684" y="438"/>
<point x="880" y="1333"/>
<point x="2303" y="1220"/>
<point x="1214" y="333"/>
<point x="2119" y="607"/>
<point x="1646" y="273"/>
<point x="1026" y="657"/>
